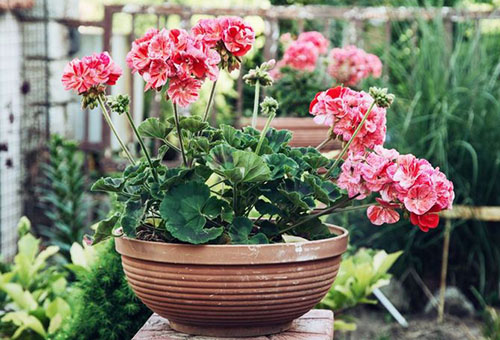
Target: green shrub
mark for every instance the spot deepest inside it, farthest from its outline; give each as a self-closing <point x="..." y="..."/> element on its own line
<point x="33" y="304"/>
<point x="62" y="193"/>
<point x="104" y="305"/>
<point x="359" y="275"/>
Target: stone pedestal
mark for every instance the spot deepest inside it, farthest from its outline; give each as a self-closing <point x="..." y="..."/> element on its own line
<point x="315" y="325"/>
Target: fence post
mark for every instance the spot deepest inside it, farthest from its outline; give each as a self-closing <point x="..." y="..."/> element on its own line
<point x="444" y="269"/>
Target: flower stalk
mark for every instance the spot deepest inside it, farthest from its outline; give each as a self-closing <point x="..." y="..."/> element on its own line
<point x="264" y="132"/>
<point x="210" y="101"/>
<point x="143" y="146"/>
<point x="346" y="147"/>
<point x="179" y="134"/>
<point x="256" y="105"/>
<point x="327" y="139"/>
<point x="112" y="127"/>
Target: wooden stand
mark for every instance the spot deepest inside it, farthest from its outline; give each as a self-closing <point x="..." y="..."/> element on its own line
<point x="315" y="325"/>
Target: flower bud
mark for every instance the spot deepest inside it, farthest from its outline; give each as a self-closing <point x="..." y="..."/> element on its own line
<point x="381" y="97"/>
<point x="119" y="104"/>
<point x="269" y="106"/>
<point x="260" y="74"/>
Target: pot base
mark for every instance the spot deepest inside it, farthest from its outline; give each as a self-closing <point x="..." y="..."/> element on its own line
<point x="230" y="332"/>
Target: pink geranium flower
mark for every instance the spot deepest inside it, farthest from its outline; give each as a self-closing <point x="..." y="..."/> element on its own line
<point x="383" y="213"/>
<point x="301" y="55"/>
<point x="349" y="65"/>
<point x="343" y="109"/>
<point x="420" y="198"/>
<point x="184" y="91"/>
<point x="418" y="189"/>
<point x="176" y="55"/>
<point x="208" y="30"/>
<point x="238" y="37"/>
<point x="316" y="38"/>
<point x="91" y="71"/>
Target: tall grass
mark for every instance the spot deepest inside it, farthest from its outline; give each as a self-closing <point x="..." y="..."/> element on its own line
<point x="448" y="111"/>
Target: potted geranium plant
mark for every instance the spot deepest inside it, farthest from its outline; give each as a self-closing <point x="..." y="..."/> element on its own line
<point x="231" y="242"/>
<point x="307" y="68"/>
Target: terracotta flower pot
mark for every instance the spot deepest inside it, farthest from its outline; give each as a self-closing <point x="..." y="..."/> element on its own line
<point x="232" y="290"/>
<point x="305" y="131"/>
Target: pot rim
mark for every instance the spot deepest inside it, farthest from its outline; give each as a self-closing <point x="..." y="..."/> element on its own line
<point x="232" y="254"/>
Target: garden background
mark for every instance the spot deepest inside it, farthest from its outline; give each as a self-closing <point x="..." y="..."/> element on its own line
<point x="441" y="59"/>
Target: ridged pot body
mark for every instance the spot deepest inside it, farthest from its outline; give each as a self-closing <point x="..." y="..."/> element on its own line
<point x="232" y="290"/>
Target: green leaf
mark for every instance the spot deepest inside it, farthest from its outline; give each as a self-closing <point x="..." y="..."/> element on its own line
<point x="278" y="139"/>
<point x="132" y="217"/>
<point x="344" y="326"/>
<point x="28" y="246"/>
<point x="152" y="127"/>
<point x="236" y="165"/>
<point x="312" y="230"/>
<point x="176" y="176"/>
<point x="240" y="230"/>
<point x="22" y="298"/>
<point x="104" y="228"/>
<point x="324" y="191"/>
<point x="24" y="321"/>
<point x="298" y="193"/>
<point x="251" y="167"/>
<point x="23" y="226"/>
<point x="231" y="135"/>
<point x="267" y="208"/>
<point x="270" y="229"/>
<point x="108" y="184"/>
<point x="193" y="124"/>
<point x="186" y="207"/>
<point x="281" y="165"/>
<point x="215" y="207"/>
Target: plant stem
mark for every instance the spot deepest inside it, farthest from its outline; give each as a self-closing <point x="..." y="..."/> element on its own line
<point x="346" y="147"/>
<point x="264" y="132"/>
<point x="112" y="127"/>
<point x="210" y="100"/>
<point x="256" y="105"/>
<point x="143" y="146"/>
<point x="323" y="143"/>
<point x="322" y="213"/>
<point x="179" y="134"/>
<point x="170" y="145"/>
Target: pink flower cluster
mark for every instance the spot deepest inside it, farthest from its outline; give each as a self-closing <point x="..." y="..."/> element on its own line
<point x="343" y="109"/>
<point x="403" y="182"/>
<point x="91" y="71"/>
<point x="302" y="54"/>
<point x="175" y="56"/>
<point x="350" y="65"/>
<point x="237" y="37"/>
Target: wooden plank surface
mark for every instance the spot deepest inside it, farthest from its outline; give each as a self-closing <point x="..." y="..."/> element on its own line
<point x="314" y="325"/>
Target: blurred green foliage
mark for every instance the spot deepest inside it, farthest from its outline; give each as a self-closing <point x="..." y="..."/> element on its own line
<point x="359" y="275"/>
<point x="447" y="89"/>
<point x="62" y="192"/>
<point x="491" y="330"/>
<point x="34" y="300"/>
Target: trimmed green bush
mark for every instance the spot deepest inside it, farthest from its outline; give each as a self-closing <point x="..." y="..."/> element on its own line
<point x="104" y="307"/>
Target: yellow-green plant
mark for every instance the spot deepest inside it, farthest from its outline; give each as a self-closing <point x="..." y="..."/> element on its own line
<point x="33" y="304"/>
<point x="359" y="275"/>
<point x="491" y="329"/>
